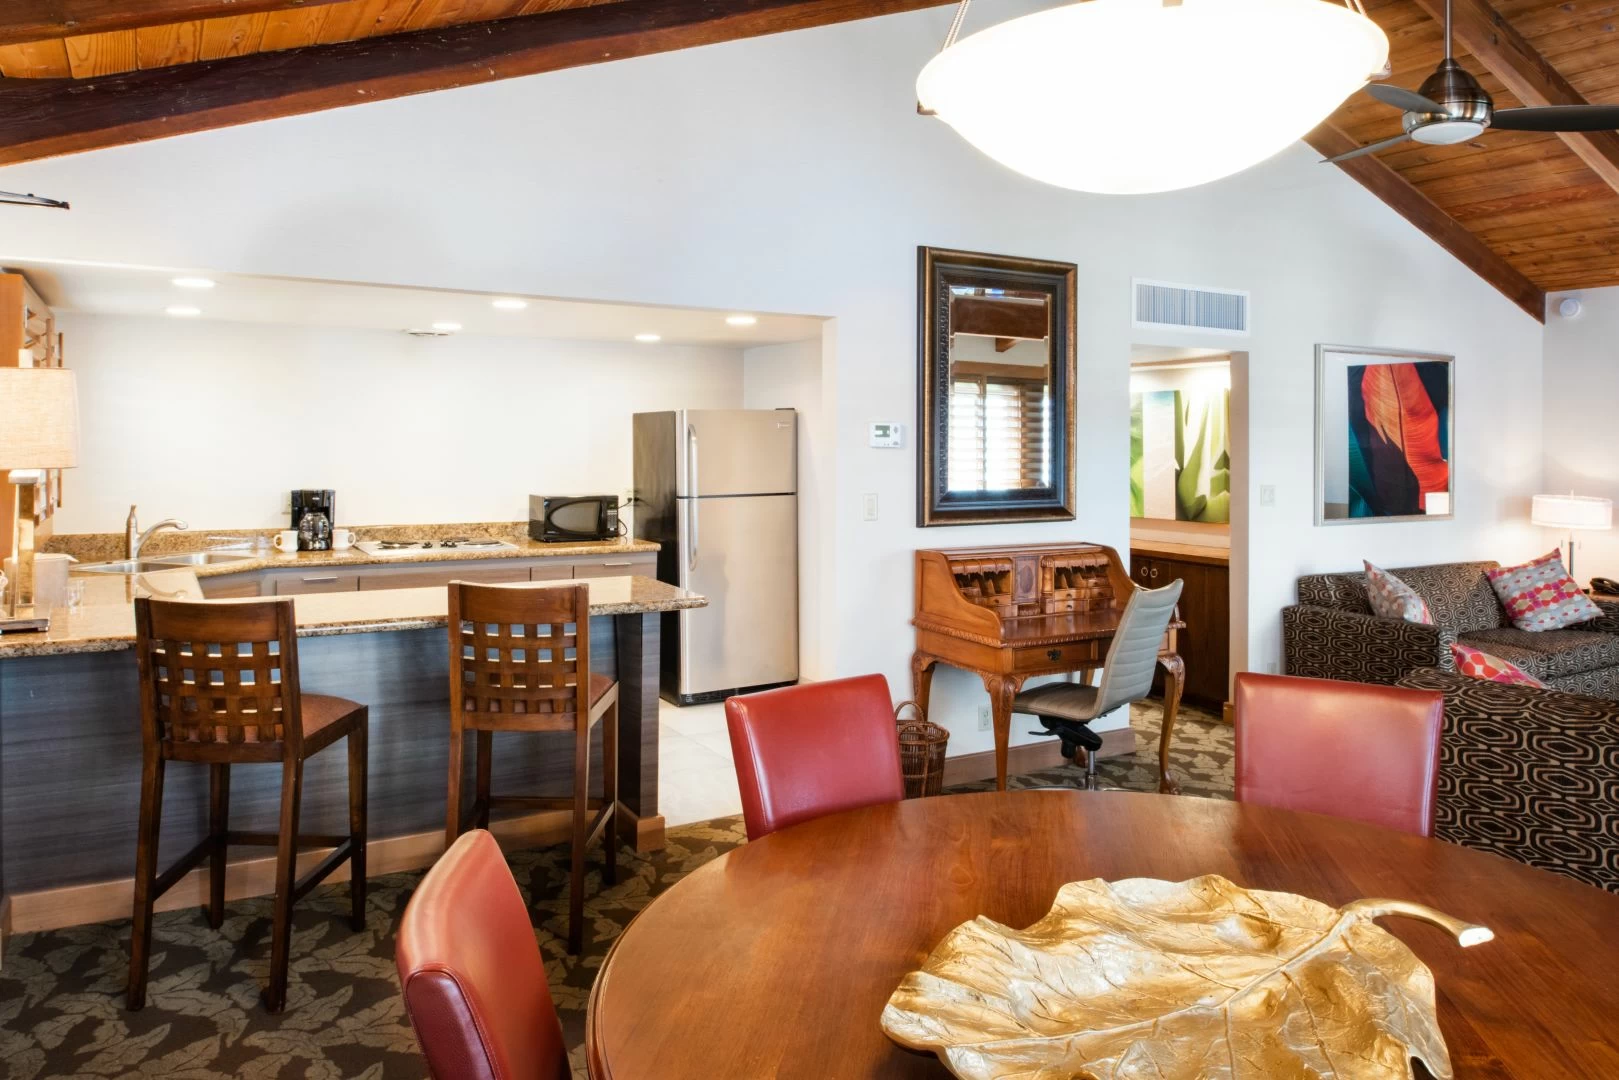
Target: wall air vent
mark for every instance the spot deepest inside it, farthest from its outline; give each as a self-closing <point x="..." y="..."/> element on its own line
<point x="1164" y="305"/>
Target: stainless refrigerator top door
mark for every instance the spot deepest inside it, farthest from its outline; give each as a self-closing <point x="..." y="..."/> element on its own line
<point x="736" y="452"/>
<point x="742" y="554"/>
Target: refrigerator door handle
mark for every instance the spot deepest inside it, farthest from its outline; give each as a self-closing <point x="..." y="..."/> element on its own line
<point x="691" y="488"/>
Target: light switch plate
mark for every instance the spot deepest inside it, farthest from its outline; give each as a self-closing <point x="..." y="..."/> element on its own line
<point x="1267" y="494"/>
<point x="887" y="435"/>
<point x="868" y="503"/>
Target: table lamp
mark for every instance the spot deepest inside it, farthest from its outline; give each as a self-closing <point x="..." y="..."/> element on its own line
<point x="1570" y="512"/>
<point x="39" y="430"/>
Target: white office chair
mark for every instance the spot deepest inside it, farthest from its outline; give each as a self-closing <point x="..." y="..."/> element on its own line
<point x="1065" y="709"/>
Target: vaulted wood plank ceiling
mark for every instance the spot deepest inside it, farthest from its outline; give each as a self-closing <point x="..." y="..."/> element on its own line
<point x="1525" y="210"/>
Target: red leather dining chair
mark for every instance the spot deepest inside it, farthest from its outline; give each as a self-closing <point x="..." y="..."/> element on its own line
<point x="805" y="751"/>
<point x="1352" y="750"/>
<point x="471" y="972"/>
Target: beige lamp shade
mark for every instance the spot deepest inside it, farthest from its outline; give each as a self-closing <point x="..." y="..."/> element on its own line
<point x="1572" y="512"/>
<point x="39" y="418"/>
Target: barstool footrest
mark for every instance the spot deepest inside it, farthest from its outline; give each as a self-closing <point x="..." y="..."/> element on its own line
<point x="182" y="866"/>
<point x="331" y="862"/>
<point x="270" y="839"/>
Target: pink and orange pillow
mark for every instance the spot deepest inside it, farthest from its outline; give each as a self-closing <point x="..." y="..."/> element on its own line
<point x="1479" y="664"/>
<point x="1540" y="595"/>
<point x="1392" y="598"/>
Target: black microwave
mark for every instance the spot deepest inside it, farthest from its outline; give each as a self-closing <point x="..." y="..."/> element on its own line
<point x="556" y="518"/>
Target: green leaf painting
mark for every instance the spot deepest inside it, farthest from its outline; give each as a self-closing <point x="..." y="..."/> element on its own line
<point x="1200" y="448"/>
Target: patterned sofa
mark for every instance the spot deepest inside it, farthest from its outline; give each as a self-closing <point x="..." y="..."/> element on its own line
<point x="1529" y="774"/>
<point x="1331" y="632"/>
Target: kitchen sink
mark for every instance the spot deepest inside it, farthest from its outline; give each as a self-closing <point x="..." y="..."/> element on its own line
<point x="198" y="558"/>
<point x="162" y="562"/>
<point x="124" y="566"/>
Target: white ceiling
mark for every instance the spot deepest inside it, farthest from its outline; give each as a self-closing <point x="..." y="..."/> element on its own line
<point x="1167" y="354"/>
<point x="103" y="289"/>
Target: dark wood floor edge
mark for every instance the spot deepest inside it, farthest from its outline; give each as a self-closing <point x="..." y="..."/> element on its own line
<point x="101" y="901"/>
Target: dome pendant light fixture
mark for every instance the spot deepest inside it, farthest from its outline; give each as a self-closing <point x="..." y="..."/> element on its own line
<point x="1128" y="97"/>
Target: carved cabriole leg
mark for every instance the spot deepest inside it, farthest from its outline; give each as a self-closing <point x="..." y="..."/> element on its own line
<point x="921" y="679"/>
<point x="1002" y="689"/>
<point x="1174" y="677"/>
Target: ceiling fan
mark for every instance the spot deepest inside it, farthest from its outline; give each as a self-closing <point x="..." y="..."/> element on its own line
<point x="1451" y="107"/>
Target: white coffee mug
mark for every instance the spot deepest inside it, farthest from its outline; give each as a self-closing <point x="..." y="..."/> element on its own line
<point x="286" y="540"/>
<point x="342" y="539"/>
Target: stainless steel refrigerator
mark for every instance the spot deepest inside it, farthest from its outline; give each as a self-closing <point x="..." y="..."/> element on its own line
<point x="718" y="489"/>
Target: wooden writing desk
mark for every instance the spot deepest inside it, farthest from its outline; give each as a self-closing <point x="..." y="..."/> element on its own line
<point x="1008" y="613"/>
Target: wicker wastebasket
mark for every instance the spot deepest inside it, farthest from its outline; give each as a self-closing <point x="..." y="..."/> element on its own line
<point x="921" y="751"/>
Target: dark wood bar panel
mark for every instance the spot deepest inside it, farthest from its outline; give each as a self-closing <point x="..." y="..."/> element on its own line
<point x="70" y="748"/>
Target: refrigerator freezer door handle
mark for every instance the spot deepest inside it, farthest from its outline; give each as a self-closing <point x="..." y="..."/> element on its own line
<point x="691" y="488"/>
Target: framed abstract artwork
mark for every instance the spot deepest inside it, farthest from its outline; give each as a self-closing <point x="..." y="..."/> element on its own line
<point x="1384" y="435"/>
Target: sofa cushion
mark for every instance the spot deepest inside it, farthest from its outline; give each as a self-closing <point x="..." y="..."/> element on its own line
<point x="1540" y="595"/>
<point x="1478" y="664"/>
<point x="1549" y="653"/>
<point x="1394" y="599"/>
<point x="1458" y="595"/>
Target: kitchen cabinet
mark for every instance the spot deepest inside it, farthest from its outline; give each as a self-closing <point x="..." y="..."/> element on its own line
<point x="431" y="575"/>
<point x="1205" y="607"/>
<point x="298" y="582"/>
<point x="419" y="575"/>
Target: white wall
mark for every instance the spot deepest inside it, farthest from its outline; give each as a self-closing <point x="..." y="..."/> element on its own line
<point x="791" y="173"/>
<point x="789" y="377"/>
<point x="1582" y="441"/>
<point x="215" y="422"/>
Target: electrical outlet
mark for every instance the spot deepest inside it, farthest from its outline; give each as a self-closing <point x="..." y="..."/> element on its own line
<point x="869" y="504"/>
<point x="983" y="718"/>
<point x="1267" y="494"/>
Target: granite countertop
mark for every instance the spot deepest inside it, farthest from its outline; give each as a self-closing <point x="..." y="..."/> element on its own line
<point x="109" y="547"/>
<point x="106" y="621"/>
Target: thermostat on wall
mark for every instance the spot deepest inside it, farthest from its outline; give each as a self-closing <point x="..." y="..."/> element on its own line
<point x="887" y="435"/>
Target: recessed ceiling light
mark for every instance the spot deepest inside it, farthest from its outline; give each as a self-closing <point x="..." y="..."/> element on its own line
<point x="508" y="303"/>
<point x="741" y="320"/>
<point x="648" y="339"/>
<point x="194" y="282"/>
<point x="183" y="310"/>
<point x="447" y="327"/>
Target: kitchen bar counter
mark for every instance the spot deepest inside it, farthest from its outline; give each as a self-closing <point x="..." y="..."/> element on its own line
<point x="70" y="744"/>
<point x="106" y="621"/>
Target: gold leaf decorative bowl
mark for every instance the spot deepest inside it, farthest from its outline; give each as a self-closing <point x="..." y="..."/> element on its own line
<point x="1190" y="980"/>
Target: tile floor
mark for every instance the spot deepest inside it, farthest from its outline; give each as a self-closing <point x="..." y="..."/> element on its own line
<point x="696" y="781"/>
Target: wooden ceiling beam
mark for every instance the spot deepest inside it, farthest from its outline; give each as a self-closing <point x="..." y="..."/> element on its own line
<point x="37" y="20"/>
<point x="47" y="117"/>
<point x="1404" y="199"/>
<point x="1482" y="31"/>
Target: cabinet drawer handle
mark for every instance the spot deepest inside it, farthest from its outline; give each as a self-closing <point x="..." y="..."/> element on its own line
<point x="1053" y="654"/>
<point x="618" y="564"/>
<point x="319" y="580"/>
<point x="1155" y="571"/>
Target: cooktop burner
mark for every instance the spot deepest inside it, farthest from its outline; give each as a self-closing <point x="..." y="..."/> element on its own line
<point x="407" y="546"/>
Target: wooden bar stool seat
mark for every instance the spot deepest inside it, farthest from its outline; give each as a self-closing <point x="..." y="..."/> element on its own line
<point x="520" y="661"/>
<point x="219" y="686"/>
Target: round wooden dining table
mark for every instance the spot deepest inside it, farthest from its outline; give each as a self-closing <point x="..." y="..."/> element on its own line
<point x="776" y="959"/>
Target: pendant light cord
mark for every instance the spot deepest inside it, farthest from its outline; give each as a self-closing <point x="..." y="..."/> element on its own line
<point x="949" y="40"/>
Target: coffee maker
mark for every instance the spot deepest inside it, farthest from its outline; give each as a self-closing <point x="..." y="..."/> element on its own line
<point x="314" y="512"/>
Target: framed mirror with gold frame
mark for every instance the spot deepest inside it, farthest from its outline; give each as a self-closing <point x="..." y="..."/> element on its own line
<point x="995" y="389"/>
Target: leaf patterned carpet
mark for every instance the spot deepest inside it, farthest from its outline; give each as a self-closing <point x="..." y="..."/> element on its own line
<point x="61" y="992"/>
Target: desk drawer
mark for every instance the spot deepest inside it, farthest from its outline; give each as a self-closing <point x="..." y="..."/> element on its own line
<point x="1076" y="654"/>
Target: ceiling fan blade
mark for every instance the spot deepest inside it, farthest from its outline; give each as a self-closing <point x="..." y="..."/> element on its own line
<point x="1370" y="148"/>
<point x="1558" y="118"/>
<point x="1402" y="99"/>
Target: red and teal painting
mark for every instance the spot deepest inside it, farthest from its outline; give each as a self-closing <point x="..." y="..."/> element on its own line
<point x="1399" y="439"/>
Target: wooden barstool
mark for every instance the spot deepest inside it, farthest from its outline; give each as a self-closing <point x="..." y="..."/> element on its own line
<point x="520" y="661"/>
<point x="219" y="686"/>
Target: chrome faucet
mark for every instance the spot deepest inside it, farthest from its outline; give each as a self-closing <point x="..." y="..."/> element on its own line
<point x="134" y="539"/>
